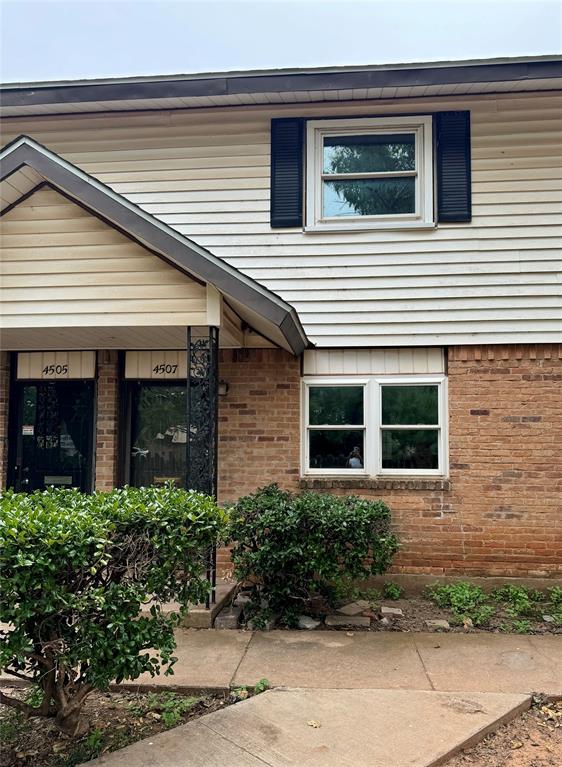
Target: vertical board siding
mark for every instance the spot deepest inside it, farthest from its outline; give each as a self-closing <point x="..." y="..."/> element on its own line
<point x="62" y="267"/>
<point x="207" y="173"/>
<point x="56" y="365"/>
<point x="373" y="361"/>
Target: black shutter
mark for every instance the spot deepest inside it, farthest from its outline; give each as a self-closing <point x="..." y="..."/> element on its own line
<point x="287" y="172"/>
<point x="453" y="166"/>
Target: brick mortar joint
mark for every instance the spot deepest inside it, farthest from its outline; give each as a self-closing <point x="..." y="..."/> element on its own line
<point x="388" y="483"/>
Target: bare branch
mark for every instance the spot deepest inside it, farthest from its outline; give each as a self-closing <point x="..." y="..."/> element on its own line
<point x="19" y="705"/>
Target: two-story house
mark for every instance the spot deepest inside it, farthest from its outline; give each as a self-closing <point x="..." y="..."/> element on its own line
<point x="342" y="279"/>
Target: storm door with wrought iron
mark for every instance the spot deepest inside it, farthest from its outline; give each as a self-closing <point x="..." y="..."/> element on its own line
<point x="158" y="438"/>
<point x="53" y="435"/>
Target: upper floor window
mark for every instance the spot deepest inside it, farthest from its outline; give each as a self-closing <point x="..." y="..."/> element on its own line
<point x="369" y="173"/>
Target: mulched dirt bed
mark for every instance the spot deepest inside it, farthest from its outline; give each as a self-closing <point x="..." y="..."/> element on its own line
<point x="116" y="720"/>
<point x="417" y="610"/>
<point x="462" y="607"/>
<point x="532" y="740"/>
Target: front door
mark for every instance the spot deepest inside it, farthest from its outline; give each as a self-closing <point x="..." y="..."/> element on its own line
<point x="53" y="435"/>
<point x="158" y="444"/>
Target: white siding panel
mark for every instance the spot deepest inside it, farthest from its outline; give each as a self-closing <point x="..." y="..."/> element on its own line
<point x="402" y="361"/>
<point x="206" y="173"/>
<point x="93" y="276"/>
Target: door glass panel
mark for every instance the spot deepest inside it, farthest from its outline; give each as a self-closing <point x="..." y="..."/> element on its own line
<point x="55" y="429"/>
<point x="158" y="434"/>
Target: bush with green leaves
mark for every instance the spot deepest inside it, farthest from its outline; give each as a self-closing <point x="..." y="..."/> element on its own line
<point x="518" y="600"/>
<point x="293" y="547"/>
<point x="465" y="600"/>
<point x="75" y="573"/>
<point x="392" y="591"/>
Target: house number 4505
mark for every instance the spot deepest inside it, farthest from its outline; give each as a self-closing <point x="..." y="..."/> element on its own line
<point x="55" y="370"/>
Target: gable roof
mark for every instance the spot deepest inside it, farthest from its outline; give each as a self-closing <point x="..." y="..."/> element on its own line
<point x="25" y="164"/>
<point x="270" y="86"/>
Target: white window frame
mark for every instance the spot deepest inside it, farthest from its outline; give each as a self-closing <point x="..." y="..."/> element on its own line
<point x="420" y="126"/>
<point x="372" y="406"/>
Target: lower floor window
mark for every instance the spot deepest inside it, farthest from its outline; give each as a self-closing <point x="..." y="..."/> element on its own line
<point x="371" y="426"/>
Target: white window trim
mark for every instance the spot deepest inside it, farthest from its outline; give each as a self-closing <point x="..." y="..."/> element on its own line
<point x="372" y="459"/>
<point x="421" y="126"/>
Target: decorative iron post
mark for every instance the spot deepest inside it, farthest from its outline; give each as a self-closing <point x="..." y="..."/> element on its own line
<point x="202" y="419"/>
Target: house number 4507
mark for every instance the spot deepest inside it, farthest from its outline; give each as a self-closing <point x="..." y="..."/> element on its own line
<point x="163" y="369"/>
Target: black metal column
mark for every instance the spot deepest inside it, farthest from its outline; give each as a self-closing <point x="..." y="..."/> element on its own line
<point x="202" y="420"/>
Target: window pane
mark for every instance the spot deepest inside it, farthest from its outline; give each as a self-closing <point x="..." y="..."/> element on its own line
<point x="368" y="197"/>
<point x="410" y="449"/>
<point x="336" y="449"/>
<point x="410" y="405"/>
<point x="335" y="405"/>
<point x="369" y="154"/>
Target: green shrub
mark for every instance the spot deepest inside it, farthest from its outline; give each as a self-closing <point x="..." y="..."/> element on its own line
<point x="480" y="616"/>
<point x="518" y="600"/>
<point x="464" y="599"/>
<point x="522" y="626"/>
<point x="555" y="596"/>
<point x="295" y="546"/>
<point x="170" y="706"/>
<point x="76" y="569"/>
<point x="392" y="591"/>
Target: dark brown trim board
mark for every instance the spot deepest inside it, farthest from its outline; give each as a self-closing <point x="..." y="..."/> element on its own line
<point x="280" y="81"/>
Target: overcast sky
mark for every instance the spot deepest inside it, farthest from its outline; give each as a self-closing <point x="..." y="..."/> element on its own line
<point x="49" y="39"/>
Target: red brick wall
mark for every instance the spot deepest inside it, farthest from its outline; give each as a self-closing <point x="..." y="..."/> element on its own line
<point x="259" y="424"/>
<point x="4" y="391"/>
<point x="501" y="512"/>
<point x="107" y="421"/>
<point x="258" y="421"/>
<point x="505" y="410"/>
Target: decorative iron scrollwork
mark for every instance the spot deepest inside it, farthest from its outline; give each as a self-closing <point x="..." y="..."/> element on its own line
<point x="202" y="411"/>
<point x="202" y="423"/>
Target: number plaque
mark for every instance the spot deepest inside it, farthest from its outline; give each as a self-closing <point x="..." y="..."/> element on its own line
<point x="56" y="366"/>
<point x="156" y="365"/>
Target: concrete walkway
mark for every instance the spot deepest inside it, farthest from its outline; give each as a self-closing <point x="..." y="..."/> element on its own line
<point x="327" y="728"/>
<point x="216" y="660"/>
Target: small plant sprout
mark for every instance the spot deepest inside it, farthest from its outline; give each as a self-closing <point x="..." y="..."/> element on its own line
<point x="261" y="686"/>
<point x="392" y="591"/>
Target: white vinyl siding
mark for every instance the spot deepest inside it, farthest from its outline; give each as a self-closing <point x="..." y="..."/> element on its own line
<point x="63" y="267"/>
<point x="206" y="173"/>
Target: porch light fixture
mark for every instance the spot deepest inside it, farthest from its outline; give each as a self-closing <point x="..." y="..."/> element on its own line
<point x="223" y="388"/>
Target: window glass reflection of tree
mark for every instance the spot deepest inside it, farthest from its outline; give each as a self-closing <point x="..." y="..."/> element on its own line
<point x="369" y="154"/>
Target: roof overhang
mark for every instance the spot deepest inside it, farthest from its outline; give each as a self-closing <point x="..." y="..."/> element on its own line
<point x="281" y="85"/>
<point x="25" y="164"/>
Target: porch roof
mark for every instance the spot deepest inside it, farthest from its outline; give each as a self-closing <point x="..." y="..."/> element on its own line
<point x="25" y="165"/>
